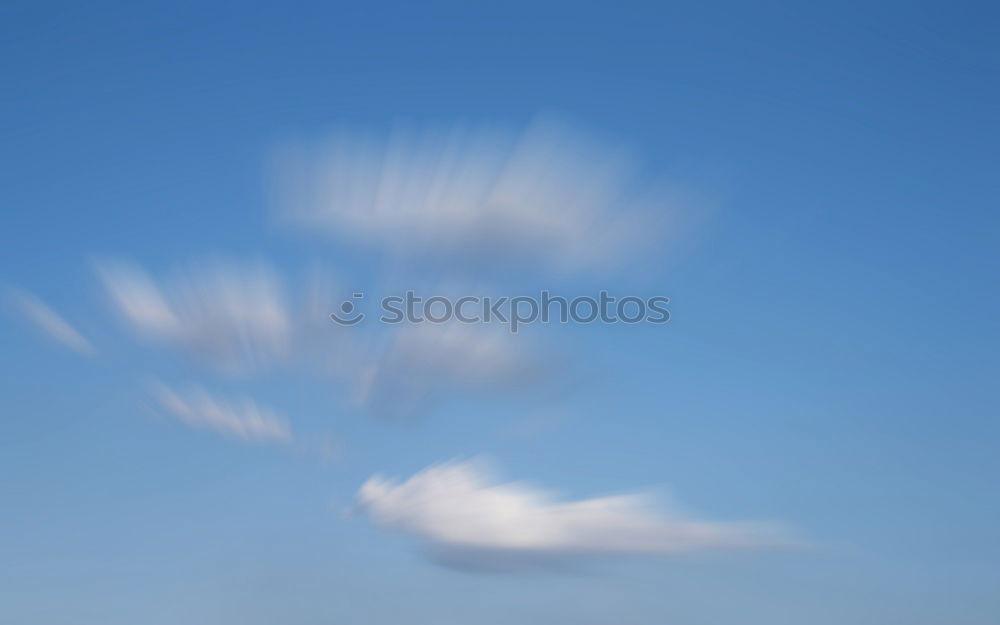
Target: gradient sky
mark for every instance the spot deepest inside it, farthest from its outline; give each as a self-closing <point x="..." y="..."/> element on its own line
<point x="829" y="364"/>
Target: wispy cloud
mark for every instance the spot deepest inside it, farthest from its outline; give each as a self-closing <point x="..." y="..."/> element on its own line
<point x="244" y="319"/>
<point x="242" y="419"/>
<point x="235" y="317"/>
<point x="468" y="518"/>
<point x="550" y="194"/>
<point x="50" y="323"/>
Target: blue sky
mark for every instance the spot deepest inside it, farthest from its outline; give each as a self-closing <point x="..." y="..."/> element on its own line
<point x="820" y="183"/>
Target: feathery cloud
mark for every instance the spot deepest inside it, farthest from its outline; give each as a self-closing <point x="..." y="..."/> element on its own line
<point x="234" y="317"/>
<point x="243" y="419"/>
<point x="51" y="323"/>
<point x="550" y="194"/>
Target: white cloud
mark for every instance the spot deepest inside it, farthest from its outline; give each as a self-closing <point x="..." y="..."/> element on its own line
<point x="551" y="193"/>
<point x="235" y="317"/>
<point x="51" y="323"/>
<point x="242" y="419"/>
<point x="468" y="518"/>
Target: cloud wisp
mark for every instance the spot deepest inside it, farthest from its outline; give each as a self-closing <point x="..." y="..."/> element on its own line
<point x="550" y="194"/>
<point x="234" y="317"/>
<point x="51" y="323"/>
<point x="466" y="518"/>
<point x="241" y="319"/>
<point x="242" y="419"/>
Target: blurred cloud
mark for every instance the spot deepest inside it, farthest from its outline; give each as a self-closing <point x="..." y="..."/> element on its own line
<point x="50" y="323"/>
<point x="551" y="194"/>
<point x="235" y="317"/>
<point x="242" y="419"/>
<point x="419" y="364"/>
<point x="242" y="318"/>
<point x="469" y="519"/>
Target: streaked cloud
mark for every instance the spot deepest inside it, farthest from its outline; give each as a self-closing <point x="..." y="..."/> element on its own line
<point x="51" y="323"/>
<point x="468" y="518"/>
<point x="240" y="318"/>
<point x="551" y="194"/>
<point x="242" y="419"/>
<point x="236" y="317"/>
